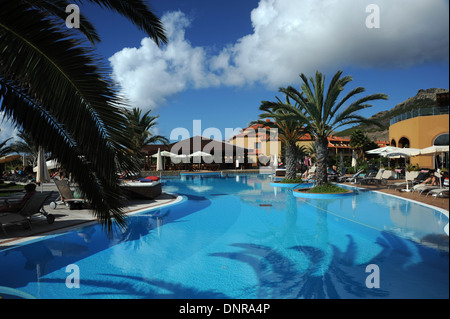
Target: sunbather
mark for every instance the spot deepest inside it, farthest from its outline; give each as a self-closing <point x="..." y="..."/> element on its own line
<point x="14" y="208"/>
<point x="432" y="180"/>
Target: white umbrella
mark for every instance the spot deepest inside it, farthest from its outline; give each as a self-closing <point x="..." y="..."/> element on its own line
<point x="405" y="153"/>
<point x="200" y="154"/>
<point x="434" y="149"/>
<point x="353" y="158"/>
<point x="275" y="161"/>
<point x="159" y="166"/>
<point x="383" y="150"/>
<point x="180" y="158"/>
<point x="165" y="154"/>
<point x="42" y="175"/>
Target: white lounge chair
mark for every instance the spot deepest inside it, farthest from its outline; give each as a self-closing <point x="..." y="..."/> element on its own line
<point x="440" y="191"/>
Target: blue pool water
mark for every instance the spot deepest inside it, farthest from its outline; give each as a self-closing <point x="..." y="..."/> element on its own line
<point x="239" y="237"/>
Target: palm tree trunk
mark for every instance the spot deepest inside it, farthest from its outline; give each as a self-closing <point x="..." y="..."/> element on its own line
<point x="322" y="160"/>
<point x="291" y="159"/>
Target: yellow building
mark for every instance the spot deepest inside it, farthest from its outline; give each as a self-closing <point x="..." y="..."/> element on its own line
<point x="420" y="129"/>
<point x="261" y="140"/>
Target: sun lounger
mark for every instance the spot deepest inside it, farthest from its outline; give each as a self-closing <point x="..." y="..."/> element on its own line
<point x="138" y="190"/>
<point x="401" y="184"/>
<point x="66" y="196"/>
<point x="352" y="179"/>
<point x="438" y="192"/>
<point x="420" y="188"/>
<point x="377" y="179"/>
<point x="33" y="206"/>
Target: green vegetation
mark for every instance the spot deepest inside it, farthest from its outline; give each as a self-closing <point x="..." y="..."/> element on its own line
<point x="327" y="188"/>
<point x="10" y="188"/>
<point x="297" y="180"/>
<point x="322" y="111"/>
<point x="290" y="130"/>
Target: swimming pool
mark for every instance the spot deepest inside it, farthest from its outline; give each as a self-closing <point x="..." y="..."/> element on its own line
<point x="239" y="237"/>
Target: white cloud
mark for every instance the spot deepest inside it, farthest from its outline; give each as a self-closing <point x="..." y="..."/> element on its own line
<point x="289" y="37"/>
<point x="148" y="75"/>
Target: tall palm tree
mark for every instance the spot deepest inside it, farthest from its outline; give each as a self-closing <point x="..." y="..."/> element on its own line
<point x="290" y="130"/>
<point x="324" y="114"/>
<point x="53" y="87"/>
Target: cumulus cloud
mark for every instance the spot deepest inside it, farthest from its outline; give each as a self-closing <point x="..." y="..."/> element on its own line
<point x="148" y="75"/>
<point x="289" y="37"/>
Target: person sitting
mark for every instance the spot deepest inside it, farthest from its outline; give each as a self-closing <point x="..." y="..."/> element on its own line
<point x="16" y="207"/>
<point x="432" y="180"/>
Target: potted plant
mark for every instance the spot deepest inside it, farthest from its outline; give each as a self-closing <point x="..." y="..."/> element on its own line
<point x="412" y="171"/>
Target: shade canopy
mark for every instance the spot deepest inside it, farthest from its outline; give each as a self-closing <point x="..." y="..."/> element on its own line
<point x="9" y="158"/>
<point x="434" y="149"/>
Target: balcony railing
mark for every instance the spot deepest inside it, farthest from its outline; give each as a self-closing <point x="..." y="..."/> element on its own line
<point x="426" y="111"/>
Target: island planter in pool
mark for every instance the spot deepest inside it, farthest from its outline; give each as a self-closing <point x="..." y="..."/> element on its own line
<point x="291" y="185"/>
<point x="303" y="193"/>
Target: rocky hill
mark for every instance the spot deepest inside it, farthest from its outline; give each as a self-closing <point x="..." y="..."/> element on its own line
<point x="423" y="98"/>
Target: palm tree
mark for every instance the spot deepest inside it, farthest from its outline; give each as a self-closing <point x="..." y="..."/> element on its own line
<point x="139" y="128"/>
<point x="320" y="110"/>
<point x="290" y="130"/>
<point x="53" y="87"/>
<point x="5" y="150"/>
<point x="26" y="146"/>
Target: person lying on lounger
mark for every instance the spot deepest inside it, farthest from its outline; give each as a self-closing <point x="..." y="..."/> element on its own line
<point x="14" y="208"/>
<point x="432" y="180"/>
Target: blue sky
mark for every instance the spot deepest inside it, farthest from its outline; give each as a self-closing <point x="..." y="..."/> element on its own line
<point x="224" y="57"/>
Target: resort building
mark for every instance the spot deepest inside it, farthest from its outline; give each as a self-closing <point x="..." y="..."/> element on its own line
<point x="261" y="139"/>
<point x="422" y="128"/>
<point x="258" y="137"/>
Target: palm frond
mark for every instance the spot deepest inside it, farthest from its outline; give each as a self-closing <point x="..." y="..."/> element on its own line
<point x="139" y="13"/>
<point x="57" y="9"/>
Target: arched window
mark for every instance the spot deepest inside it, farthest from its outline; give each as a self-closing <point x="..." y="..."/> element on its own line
<point x="441" y="139"/>
<point x="393" y="143"/>
<point x="403" y="142"/>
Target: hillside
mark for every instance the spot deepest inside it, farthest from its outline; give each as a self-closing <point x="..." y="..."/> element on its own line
<point x="423" y="99"/>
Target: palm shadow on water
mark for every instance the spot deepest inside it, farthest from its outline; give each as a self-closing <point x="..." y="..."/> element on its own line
<point x="136" y="287"/>
<point x="43" y="257"/>
<point x="280" y="277"/>
<point x="142" y="225"/>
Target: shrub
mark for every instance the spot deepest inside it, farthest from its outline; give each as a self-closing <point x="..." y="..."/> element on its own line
<point x="328" y="188"/>
<point x="297" y="180"/>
